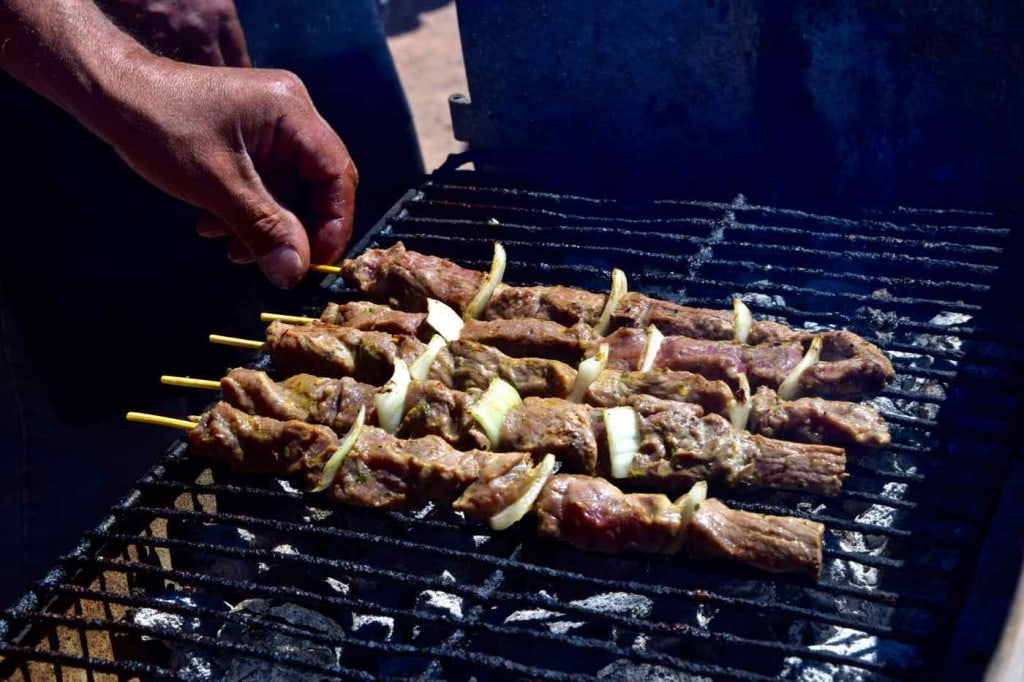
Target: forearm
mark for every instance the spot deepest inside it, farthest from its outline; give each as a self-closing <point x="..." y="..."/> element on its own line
<point x="69" y="52"/>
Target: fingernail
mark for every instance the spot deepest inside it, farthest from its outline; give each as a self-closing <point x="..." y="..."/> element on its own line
<point x="282" y="266"/>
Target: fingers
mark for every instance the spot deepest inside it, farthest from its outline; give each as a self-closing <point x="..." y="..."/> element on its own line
<point x="211" y="227"/>
<point x="232" y="41"/>
<point x="322" y="161"/>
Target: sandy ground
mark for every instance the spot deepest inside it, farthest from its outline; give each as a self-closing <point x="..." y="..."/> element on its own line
<point x="424" y="42"/>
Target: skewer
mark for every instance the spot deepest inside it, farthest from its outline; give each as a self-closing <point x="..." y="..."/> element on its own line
<point x="290" y="319"/>
<point x="328" y="269"/>
<point x="189" y="382"/>
<point x="235" y="341"/>
<point x="158" y="420"/>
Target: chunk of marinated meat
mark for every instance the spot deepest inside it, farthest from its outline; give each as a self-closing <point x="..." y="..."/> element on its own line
<point x="475" y="366"/>
<point x="525" y="338"/>
<point x="378" y="318"/>
<point x="431" y="408"/>
<point x="564" y="305"/>
<point x="816" y="420"/>
<point x="777" y="544"/>
<point x="550" y="425"/>
<point x="613" y="388"/>
<point x="592" y="514"/>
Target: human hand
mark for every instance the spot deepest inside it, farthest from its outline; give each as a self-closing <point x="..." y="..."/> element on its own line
<point x="196" y="31"/>
<point x="246" y="145"/>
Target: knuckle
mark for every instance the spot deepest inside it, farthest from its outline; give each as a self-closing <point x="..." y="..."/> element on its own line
<point x="287" y="84"/>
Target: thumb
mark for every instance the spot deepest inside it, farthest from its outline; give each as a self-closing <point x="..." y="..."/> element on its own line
<point x="272" y="233"/>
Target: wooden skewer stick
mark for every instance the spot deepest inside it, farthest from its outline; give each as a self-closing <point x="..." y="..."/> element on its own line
<point x="234" y="341"/>
<point x="329" y="269"/>
<point x="195" y="418"/>
<point x="188" y="382"/>
<point x="290" y="319"/>
<point x="146" y="418"/>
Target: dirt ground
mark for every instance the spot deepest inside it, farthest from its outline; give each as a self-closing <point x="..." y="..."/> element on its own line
<point x="424" y="39"/>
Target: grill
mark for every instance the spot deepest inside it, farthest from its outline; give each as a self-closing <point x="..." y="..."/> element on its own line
<point x="921" y="551"/>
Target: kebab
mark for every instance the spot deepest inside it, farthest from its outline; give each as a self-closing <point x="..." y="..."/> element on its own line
<point x="329" y="349"/>
<point x="406" y="280"/>
<point x="652" y="443"/>
<point x="834" y="363"/>
<point x="369" y="356"/>
<point x="370" y="468"/>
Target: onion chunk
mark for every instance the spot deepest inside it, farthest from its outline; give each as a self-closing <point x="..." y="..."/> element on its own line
<point x="341" y="452"/>
<point x="390" y="399"/>
<point x="688" y="505"/>
<point x="518" y="509"/>
<point x="588" y="371"/>
<point x="615" y="294"/>
<point x="790" y="387"/>
<point x="623" y="439"/>
<point x="654" y="340"/>
<point x="490" y="282"/>
<point x="444" y="320"/>
<point x="742" y="320"/>
<point x="490" y="410"/>
<point x="740" y="406"/>
<point x="420" y="370"/>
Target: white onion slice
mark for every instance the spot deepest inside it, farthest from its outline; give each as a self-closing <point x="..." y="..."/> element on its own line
<point x="490" y="282"/>
<point x="489" y="411"/>
<point x="623" y="439"/>
<point x="390" y="399"/>
<point x="688" y="504"/>
<point x="654" y="339"/>
<point x="420" y="370"/>
<point x="618" y="290"/>
<point x="341" y="452"/>
<point x="518" y="509"/>
<point x="742" y="320"/>
<point x="444" y="320"/>
<point x="790" y="387"/>
<point x="739" y="407"/>
<point x="588" y="371"/>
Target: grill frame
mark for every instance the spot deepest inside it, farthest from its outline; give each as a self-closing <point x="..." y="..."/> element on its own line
<point x="712" y="221"/>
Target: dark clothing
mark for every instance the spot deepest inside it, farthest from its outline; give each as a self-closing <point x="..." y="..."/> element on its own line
<point x="104" y="285"/>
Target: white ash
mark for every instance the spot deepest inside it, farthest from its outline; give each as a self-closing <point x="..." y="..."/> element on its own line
<point x="443" y="602"/>
<point x="287" y="550"/>
<point x="526" y="615"/>
<point x="762" y="300"/>
<point x="640" y="643"/>
<point x="338" y="586"/>
<point x="946" y="342"/>
<point x="705" y="614"/>
<point x="947" y="319"/>
<point x="564" y="626"/>
<point x="374" y="627"/>
<point x="623" y="670"/>
<point x="882" y="294"/>
<point x="424" y="511"/>
<point x="448" y="577"/>
<point x="288" y="487"/>
<point x="480" y="540"/>
<point x="853" y="644"/>
<point x="624" y="603"/>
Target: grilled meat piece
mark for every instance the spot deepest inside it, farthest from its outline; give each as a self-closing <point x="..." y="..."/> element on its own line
<point x="385" y="472"/>
<point x="330" y="350"/>
<point x="814" y="420"/>
<point x="678" y="446"/>
<point x="776" y="544"/>
<point x="375" y="317"/>
<point x="849" y="366"/>
<point x="592" y="514"/>
<point x="380" y="471"/>
<point x="477" y="365"/>
<point x="406" y="279"/>
<point x="433" y="408"/>
<point x="526" y="338"/>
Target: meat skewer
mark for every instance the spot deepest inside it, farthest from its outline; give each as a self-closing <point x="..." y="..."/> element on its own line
<point x="333" y="348"/>
<point x="332" y="351"/>
<point x="676" y="444"/>
<point x="848" y="366"/>
<point x="407" y="279"/>
<point x="377" y="470"/>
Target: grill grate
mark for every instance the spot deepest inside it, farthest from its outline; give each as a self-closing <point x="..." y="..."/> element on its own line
<point x="365" y="595"/>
